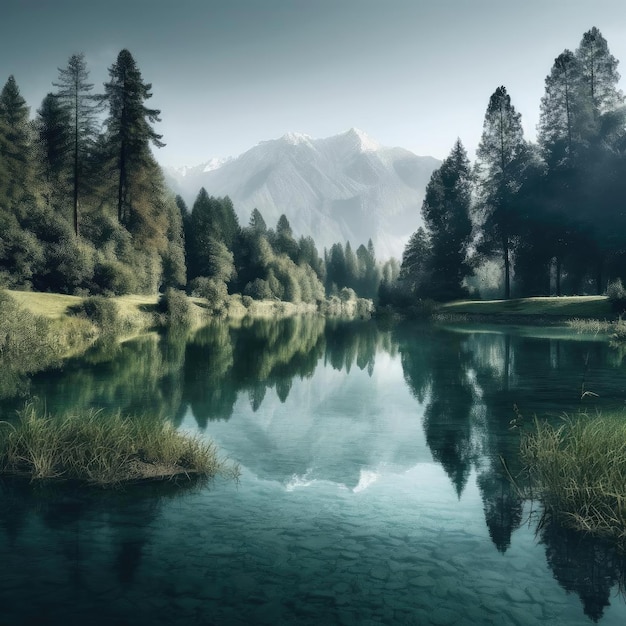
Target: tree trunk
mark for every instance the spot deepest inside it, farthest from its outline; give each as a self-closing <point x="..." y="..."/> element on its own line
<point x="507" y="269"/>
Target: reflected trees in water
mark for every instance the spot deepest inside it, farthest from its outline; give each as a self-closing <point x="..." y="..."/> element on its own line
<point x="585" y="565"/>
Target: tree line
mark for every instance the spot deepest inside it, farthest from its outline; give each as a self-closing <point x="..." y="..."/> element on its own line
<point x="84" y="208"/>
<point x="551" y="213"/>
<point x="269" y="263"/>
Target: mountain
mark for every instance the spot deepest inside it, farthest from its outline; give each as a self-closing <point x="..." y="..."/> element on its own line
<point x="341" y="188"/>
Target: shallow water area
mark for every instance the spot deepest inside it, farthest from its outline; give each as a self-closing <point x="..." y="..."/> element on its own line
<point x="371" y="489"/>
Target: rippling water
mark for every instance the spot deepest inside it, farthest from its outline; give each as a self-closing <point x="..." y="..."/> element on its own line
<point x="371" y="488"/>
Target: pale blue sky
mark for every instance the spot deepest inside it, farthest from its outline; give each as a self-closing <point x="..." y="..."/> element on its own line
<point x="229" y="74"/>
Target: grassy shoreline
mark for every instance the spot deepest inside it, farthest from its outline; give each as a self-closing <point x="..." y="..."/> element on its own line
<point x="102" y="450"/>
<point x="577" y="469"/>
<point x="531" y="310"/>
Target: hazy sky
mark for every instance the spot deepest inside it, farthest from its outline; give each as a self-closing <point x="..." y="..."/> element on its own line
<point x="227" y="74"/>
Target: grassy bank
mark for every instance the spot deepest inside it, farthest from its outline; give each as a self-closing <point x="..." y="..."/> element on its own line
<point x="530" y="309"/>
<point x="103" y="450"/>
<point x="578" y="470"/>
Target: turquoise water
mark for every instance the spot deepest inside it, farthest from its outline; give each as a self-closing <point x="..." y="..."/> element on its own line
<point x="371" y="488"/>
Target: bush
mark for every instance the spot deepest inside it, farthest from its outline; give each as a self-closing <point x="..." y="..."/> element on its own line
<point x="100" y="311"/>
<point x="616" y="293"/>
<point x="211" y="289"/>
<point x="113" y="278"/>
<point x="176" y="307"/>
<point x="258" y="289"/>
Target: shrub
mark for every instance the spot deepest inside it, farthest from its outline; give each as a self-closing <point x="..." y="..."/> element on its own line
<point x="258" y="289"/>
<point x="100" y="311"/>
<point x="176" y="307"/>
<point x="617" y="295"/>
<point x="113" y="278"/>
<point x="211" y="289"/>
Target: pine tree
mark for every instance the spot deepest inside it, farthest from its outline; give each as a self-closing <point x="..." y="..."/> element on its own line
<point x="599" y="74"/>
<point x="446" y="213"/>
<point x="416" y="263"/>
<point x="352" y="272"/>
<point x="81" y="107"/>
<point x="15" y="145"/>
<point x="54" y="143"/>
<point x="284" y="242"/>
<point x="502" y="158"/>
<point x="129" y="127"/>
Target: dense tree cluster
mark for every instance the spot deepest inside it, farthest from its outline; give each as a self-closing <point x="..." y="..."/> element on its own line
<point x="553" y="214"/>
<point x="84" y="208"/>
<point x="265" y="263"/>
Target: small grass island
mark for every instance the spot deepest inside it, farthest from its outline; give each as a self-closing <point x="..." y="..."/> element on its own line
<point x="104" y="450"/>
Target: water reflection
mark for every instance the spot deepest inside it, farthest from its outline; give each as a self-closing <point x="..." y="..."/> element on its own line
<point x="588" y="567"/>
<point x="306" y="402"/>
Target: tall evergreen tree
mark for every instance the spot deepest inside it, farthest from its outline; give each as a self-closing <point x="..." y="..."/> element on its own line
<point x="257" y="223"/>
<point x="369" y="273"/>
<point x="54" y="142"/>
<point x="352" y="272"/>
<point x="73" y="94"/>
<point x="599" y="213"/>
<point x="503" y="155"/>
<point x="416" y="263"/>
<point x="599" y="74"/>
<point x="446" y="213"/>
<point x="129" y="126"/>
<point x="15" y="145"/>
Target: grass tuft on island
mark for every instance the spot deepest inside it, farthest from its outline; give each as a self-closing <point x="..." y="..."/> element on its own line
<point x="577" y="469"/>
<point x="104" y="450"/>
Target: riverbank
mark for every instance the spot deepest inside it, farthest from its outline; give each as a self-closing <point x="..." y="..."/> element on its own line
<point x="539" y="310"/>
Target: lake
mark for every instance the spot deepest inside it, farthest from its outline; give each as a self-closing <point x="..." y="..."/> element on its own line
<point x="371" y="487"/>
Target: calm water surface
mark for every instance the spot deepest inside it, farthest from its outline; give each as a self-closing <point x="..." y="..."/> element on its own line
<point x="371" y="488"/>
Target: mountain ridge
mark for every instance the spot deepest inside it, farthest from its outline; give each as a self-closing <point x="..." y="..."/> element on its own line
<point x="346" y="187"/>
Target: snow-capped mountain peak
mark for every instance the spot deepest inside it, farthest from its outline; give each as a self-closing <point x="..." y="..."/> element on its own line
<point x="341" y="188"/>
<point x="215" y="163"/>
<point x="296" y="138"/>
<point x="363" y="140"/>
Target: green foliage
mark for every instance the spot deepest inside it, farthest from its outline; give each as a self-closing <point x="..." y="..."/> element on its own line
<point x="210" y="235"/>
<point x="503" y="156"/>
<point x="113" y="278"/>
<point x="211" y="289"/>
<point x="79" y="109"/>
<point x="446" y="212"/>
<point x="16" y="167"/>
<point x="176" y="307"/>
<point x="53" y="143"/>
<point x="578" y="470"/>
<point x="617" y="295"/>
<point x="102" y="450"/>
<point x="101" y="311"/>
<point x="129" y="129"/>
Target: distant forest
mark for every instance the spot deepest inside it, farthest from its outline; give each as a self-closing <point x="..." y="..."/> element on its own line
<point x="551" y="214"/>
<point x="84" y="208"/>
